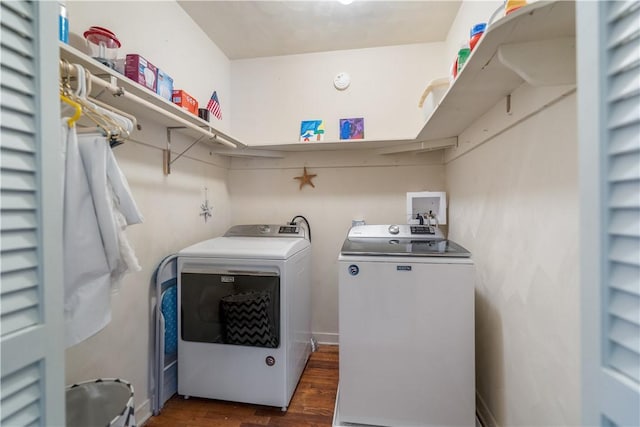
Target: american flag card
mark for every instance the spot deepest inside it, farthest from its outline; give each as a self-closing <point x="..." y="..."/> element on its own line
<point x="214" y="106"/>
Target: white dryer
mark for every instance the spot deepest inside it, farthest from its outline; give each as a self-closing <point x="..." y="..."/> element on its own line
<point x="244" y="326"/>
<point x="406" y="318"/>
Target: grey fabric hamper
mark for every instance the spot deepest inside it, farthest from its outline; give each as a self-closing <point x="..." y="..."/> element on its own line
<point x="101" y="402"/>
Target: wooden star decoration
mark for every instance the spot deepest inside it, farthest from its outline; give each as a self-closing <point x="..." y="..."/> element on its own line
<point x="306" y="178"/>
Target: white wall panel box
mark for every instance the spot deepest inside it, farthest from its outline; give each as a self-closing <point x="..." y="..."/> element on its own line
<point x="423" y="202"/>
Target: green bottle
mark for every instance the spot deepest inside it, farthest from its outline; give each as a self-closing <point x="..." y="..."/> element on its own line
<point x="463" y="54"/>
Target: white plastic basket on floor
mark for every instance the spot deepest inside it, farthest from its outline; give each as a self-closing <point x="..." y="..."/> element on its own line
<point x="100" y="402"/>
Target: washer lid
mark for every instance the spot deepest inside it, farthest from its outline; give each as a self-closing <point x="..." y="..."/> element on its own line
<point x="247" y="247"/>
<point x="400" y="240"/>
<point x="404" y="247"/>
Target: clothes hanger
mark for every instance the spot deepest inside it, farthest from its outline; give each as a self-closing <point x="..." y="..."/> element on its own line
<point x="64" y="96"/>
<point x="71" y="122"/>
<point x="114" y="110"/>
<point x="132" y="118"/>
<point x="78" y="96"/>
<point x="117" y="127"/>
<point x="126" y="122"/>
<point x="109" y="127"/>
<point x="114" y="126"/>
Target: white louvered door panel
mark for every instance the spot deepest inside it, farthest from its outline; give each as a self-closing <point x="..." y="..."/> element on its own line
<point x="31" y="328"/>
<point x="622" y="350"/>
<point x="609" y="119"/>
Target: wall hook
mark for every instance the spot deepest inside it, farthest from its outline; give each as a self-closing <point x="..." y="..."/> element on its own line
<point x="205" y="209"/>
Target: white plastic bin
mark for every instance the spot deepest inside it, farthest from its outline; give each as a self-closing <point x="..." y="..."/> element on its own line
<point x="432" y="95"/>
<point x="101" y="402"/>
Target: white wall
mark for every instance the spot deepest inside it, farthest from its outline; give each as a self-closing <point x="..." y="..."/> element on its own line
<point x="514" y="204"/>
<point x="167" y="37"/>
<point x="273" y="95"/>
<point x="349" y="185"/>
<point x="513" y="194"/>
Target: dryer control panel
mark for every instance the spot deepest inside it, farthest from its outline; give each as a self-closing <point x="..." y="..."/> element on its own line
<point x="288" y="229"/>
<point x="266" y="230"/>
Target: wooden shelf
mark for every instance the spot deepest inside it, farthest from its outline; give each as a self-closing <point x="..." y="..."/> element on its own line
<point x="75" y="56"/>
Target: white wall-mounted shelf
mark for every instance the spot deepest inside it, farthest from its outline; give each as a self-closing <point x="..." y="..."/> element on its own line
<point x="380" y="146"/>
<point x="488" y="76"/>
<point x="173" y="117"/>
<point x="353" y="144"/>
<point x="535" y="44"/>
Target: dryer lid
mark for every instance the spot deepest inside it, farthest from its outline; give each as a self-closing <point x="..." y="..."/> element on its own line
<point x="247" y="247"/>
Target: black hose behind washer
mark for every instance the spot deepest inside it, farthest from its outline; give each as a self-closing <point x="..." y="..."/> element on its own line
<point x="293" y="221"/>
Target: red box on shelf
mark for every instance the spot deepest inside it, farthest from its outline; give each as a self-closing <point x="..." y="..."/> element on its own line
<point x="141" y="71"/>
<point x="186" y="101"/>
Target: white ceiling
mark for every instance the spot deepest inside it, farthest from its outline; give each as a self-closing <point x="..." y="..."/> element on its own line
<point x="250" y="29"/>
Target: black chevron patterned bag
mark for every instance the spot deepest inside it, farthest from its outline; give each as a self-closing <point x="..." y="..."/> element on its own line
<point x="247" y="322"/>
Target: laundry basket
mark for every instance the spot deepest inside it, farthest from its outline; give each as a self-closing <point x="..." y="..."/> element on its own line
<point x="101" y="402"/>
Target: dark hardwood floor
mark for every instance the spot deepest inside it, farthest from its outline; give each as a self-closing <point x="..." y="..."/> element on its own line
<point x="311" y="406"/>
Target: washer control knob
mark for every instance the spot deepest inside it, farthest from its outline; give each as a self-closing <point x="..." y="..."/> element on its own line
<point x="394" y="229"/>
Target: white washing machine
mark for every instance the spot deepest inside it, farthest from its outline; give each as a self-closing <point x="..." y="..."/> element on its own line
<point x="406" y="307"/>
<point x="245" y="315"/>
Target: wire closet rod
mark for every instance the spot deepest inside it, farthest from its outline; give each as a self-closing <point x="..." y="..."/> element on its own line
<point x="115" y="90"/>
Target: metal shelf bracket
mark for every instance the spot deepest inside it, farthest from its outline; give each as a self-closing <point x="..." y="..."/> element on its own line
<point x="166" y="153"/>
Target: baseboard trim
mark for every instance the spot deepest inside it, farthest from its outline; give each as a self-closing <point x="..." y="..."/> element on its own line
<point x="143" y="412"/>
<point x="482" y="411"/>
<point x="330" y="338"/>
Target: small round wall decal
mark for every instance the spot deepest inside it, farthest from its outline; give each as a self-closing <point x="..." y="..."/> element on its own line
<point x="342" y="81"/>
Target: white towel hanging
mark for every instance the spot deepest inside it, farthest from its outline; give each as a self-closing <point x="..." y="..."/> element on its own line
<point x="110" y="193"/>
<point x="87" y="276"/>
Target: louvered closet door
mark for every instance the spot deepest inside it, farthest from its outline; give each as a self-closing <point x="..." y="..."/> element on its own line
<point x="31" y="326"/>
<point x="612" y="389"/>
<point x="623" y="177"/>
